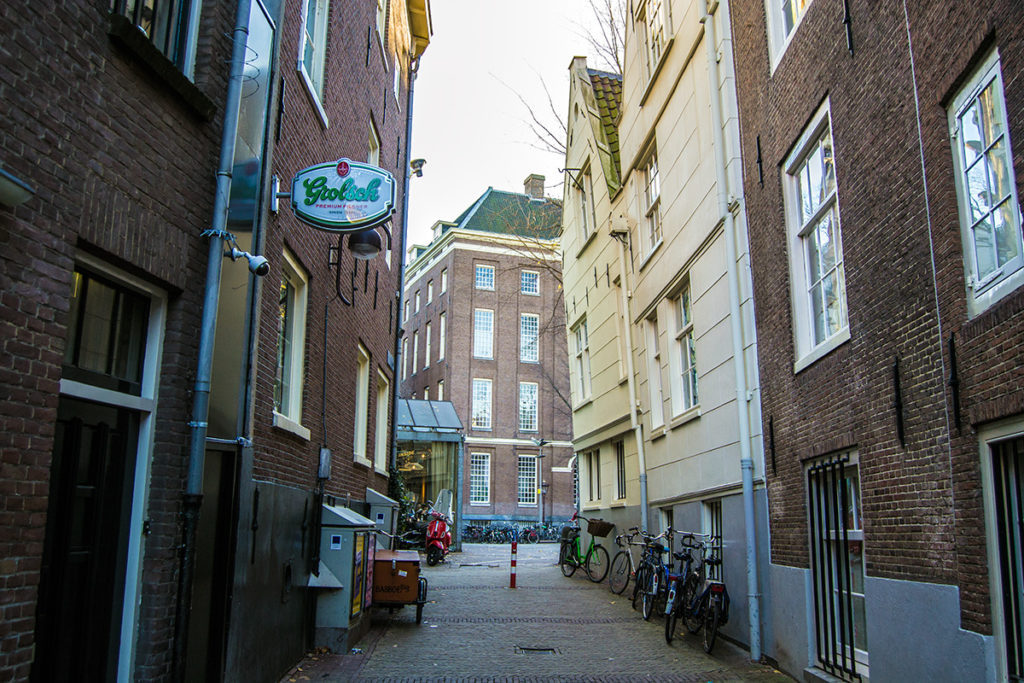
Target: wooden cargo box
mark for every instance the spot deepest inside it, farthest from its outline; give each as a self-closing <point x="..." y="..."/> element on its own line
<point x="396" y="576"/>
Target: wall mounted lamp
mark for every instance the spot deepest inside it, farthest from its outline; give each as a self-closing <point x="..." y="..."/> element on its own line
<point x="14" y="190"/>
<point x="417" y="166"/>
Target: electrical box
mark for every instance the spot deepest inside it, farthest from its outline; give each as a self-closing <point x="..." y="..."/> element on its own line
<point x="384" y="514"/>
<point x="347" y="544"/>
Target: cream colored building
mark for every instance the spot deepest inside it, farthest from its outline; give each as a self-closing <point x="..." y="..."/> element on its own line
<point x="677" y="211"/>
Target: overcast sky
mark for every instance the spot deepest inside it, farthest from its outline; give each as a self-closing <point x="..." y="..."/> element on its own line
<point x="467" y="122"/>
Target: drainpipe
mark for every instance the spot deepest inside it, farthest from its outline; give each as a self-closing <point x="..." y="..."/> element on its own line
<point x="193" y="496"/>
<point x="634" y="420"/>
<point x="739" y="364"/>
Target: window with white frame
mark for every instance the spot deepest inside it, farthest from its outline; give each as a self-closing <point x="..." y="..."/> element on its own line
<point x="481" y="404"/>
<point x="582" y="360"/>
<point x="479" y="478"/>
<point x="483" y="333"/>
<point x="172" y="27"/>
<point x="815" y="242"/>
<point x="430" y="291"/>
<point x="441" y="326"/>
<point x="528" y="392"/>
<point x="373" y="155"/>
<point x="397" y="85"/>
<point x="426" y="341"/>
<point x="426" y="393"/>
<point x="990" y="216"/>
<point x="415" y="352"/>
<point x="406" y="317"/>
<point x="651" y="15"/>
<point x="380" y="450"/>
<point x="484" y="277"/>
<point x="416" y="308"/>
<point x="529" y="336"/>
<point x="527" y="480"/>
<point x="314" y="46"/>
<point x="783" y="18"/>
<point x="444" y="280"/>
<point x="585" y="204"/>
<point x="362" y="407"/>
<point x="620" y="470"/>
<point x="593" y="460"/>
<point x="654" y="372"/>
<point x="405" y="357"/>
<point x="529" y="282"/>
<point x="684" y="357"/>
<point x="651" y="202"/>
<point x="291" y="340"/>
<point x="440" y="390"/>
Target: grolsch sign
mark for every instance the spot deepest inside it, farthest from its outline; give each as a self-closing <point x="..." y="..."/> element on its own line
<point x="343" y="196"/>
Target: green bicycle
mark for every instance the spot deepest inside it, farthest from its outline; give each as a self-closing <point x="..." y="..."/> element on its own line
<point x="570" y="556"/>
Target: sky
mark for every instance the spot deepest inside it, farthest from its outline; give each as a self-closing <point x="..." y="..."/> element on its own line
<point x="468" y="124"/>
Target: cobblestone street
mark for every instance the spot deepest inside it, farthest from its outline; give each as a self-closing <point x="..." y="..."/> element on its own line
<point x="550" y="628"/>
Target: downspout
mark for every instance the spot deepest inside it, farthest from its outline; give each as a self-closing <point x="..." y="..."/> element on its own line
<point x="193" y="496"/>
<point x="739" y="363"/>
<point x="634" y="420"/>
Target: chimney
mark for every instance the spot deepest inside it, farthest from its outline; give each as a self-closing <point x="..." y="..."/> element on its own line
<point x="534" y="186"/>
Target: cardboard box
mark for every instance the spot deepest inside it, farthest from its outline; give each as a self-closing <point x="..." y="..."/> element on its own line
<point x="396" y="576"/>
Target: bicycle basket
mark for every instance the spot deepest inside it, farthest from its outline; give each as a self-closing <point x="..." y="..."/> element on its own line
<point x="569" y="533"/>
<point x="599" y="527"/>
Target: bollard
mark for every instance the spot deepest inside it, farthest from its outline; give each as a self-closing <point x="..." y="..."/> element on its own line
<point x="512" y="576"/>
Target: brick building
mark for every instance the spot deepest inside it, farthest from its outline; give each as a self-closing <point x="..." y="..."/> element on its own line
<point x="882" y="192"/>
<point x="485" y="329"/>
<point x="117" y="129"/>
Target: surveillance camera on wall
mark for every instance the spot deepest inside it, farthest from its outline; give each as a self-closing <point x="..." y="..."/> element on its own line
<point x="258" y="265"/>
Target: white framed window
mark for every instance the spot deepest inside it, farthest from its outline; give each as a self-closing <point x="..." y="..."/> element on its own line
<point x="382" y="14"/>
<point x="529" y="338"/>
<point x="585" y="204"/>
<point x="783" y="17"/>
<point x="440" y="390"/>
<point x="484" y="277"/>
<point x="529" y="282"/>
<point x="444" y="280"/>
<point x="405" y="357"/>
<point x="990" y="217"/>
<point x="426" y="341"/>
<point x="528" y="392"/>
<point x="416" y="308"/>
<point x="815" y="243"/>
<point x="651" y="15"/>
<point x="373" y="153"/>
<point x="313" y="50"/>
<point x="415" y="352"/>
<point x="582" y="360"/>
<point x="397" y="67"/>
<point x="527" y="480"/>
<point x="406" y="317"/>
<point x="291" y="340"/>
<point x="430" y="291"/>
<point x="651" y="202"/>
<point x="479" y="478"/>
<point x="481" y="403"/>
<point x="593" y="460"/>
<point x="620" y="470"/>
<point x="426" y="393"/>
<point x="362" y="407"/>
<point x="684" y="356"/>
<point x="441" y="327"/>
<point x="654" y="372"/>
<point x="483" y="333"/>
<point x="380" y="449"/>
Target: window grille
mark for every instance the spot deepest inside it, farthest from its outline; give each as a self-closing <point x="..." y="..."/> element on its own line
<point x="1008" y="469"/>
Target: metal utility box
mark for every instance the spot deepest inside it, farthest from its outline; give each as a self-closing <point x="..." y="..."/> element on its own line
<point x="347" y="544"/>
<point x="384" y="513"/>
<point x="396" y="575"/>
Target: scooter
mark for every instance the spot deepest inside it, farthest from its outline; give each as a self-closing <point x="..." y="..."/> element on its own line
<point x="439" y="538"/>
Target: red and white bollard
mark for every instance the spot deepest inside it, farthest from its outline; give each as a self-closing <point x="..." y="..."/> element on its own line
<point x="512" y="576"/>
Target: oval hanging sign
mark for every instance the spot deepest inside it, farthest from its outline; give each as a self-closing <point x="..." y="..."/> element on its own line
<point x="343" y="195"/>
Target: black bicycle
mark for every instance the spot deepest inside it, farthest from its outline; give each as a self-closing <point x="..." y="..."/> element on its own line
<point x="683" y="587"/>
<point x="623" y="567"/>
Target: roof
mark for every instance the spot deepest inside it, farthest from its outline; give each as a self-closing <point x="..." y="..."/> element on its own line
<point x="608" y="95"/>
<point x="426" y="415"/>
<point x="512" y="213"/>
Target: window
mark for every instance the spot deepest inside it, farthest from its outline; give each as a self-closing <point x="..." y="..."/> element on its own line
<point x="651" y="15"/>
<point x="529" y="331"/>
<point x="654" y="373"/>
<point x="584" y="204"/>
<point x="314" y="48"/>
<point x="406" y="317"/>
<point x="485" y="277"/>
<point x="440" y="390"/>
<point x="528" y="406"/>
<point x="1007" y="468"/>
<point x="620" y="324"/>
<point x="582" y="353"/>
<point x="291" y="341"/>
<point x="416" y="308"/>
<point x="481" y="404"/>
<point x="483" y="333"/>
<point x="479" y="478"/>
<point x="529" y="282"/>
<point x="426" y="354"/>
<point x="712" y="526"/>
<point x="415" y="351"/>
<point x="441" y="335"/>
<point x="815" y="243"/>
<point x="362" y="407"/>
<point x="684" y="358"/>
<point x="373" y="155"/>
<point x="382" y="13"/>
<point x="783" y="18"/>
<point x="593" y="460"/>
<point x="527" y="480"/>
<point x="444" y="280"/>
<point x="426" y="393"/>
<point x="170" y="26"/>
<point x="651" y="202"/>
<point x="380" y="450"/>
<point x="620" y="470"/>
<point x="990" y="216"/>
<point x="405" y="357"/>
<point x="430" y="291"/>
<point x="397" y="67"/>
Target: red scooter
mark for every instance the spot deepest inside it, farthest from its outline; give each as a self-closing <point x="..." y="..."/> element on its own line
<point x="439" y="535"/>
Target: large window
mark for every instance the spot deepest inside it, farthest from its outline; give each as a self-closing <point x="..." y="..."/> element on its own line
<point x="528" y="406"/>
<point x="479" y="478"/>
<point x="415" y="352"/>
<point x="815" y="243"/>
<point x="593" y="461"/>
<point x="314" y="47"/>
<point x="527" y="480"/>
<point x="444" y="280"/>
<point x="291" y="340"/>
<point x="481" y="404"/>
<point x="441" y="332"/>
<point x="654" y="372"/>
<point x="990" y="216"/>
<point x="651" y="14"/>
<point x="484" y="277"/>
<point x="684" y="358"/>
<point x="582" y="361"/>
<point x="529" y="282"/>
<point x="529" y="332"/>
<point x="380" y="450"/>
<point x="483" y="333"/>
<point x="426" y="350"/>
<point x="362" y="407"/>
<point x="620" y="470"/>
<point x="651" y="202"/>
<point x="416" y="308"/>
<point x="430" y="291"/>
<point x="171" y="25"/>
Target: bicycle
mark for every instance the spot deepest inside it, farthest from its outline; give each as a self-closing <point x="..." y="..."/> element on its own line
<point x="649" y="558"/>
<point x="596" y="559"/>
<point x="656" y="587"/>
<point x="712" y="606"/>
<point x="623" y="566"/>
<point x="683" y="587"/>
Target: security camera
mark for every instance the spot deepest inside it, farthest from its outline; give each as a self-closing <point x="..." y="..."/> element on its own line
<point x="258" y="265"/>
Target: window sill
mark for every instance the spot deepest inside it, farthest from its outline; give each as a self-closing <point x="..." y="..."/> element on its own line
<point x="657" y="70"/>
<point x="586" y="243"/>
<point x="126" y="34"/>
<point x="529" y="293"/>
<point x="822" y="350"/>
<point x="362" y="460"/>
<point x="651" y="253"/>
<point x="527" y="505"/>
<point x="287" y="424"/>
<point x="978" y="303"/>
<point x="592" y="505"/>
<point x="383" y="473"/>
<point x="479" y="505"/>
<point x="311" y="91"/>
<point x="582" y="405"/>
<point x="618" y="503"/>
<point x="658" y="432"/>
<point x="684" y="417"/>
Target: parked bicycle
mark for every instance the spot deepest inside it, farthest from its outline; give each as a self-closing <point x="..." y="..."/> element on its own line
<point x="655" y="588"/>
<point x="570" y="555"/>
<point x="623" y="567"/>
<point x="684" y="587"/>
<point x="712" y="605"/>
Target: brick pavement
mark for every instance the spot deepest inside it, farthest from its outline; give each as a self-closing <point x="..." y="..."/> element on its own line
<point x="550" y="628"/>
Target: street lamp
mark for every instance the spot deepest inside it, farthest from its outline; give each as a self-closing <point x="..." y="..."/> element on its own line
<point x="540" y="443"/>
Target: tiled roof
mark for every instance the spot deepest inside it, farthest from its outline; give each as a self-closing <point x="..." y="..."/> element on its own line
<point x="512" y="213"/>
<point x="608" y="94"/>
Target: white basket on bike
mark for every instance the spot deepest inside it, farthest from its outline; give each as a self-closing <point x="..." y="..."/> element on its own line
<point x="599" y="527"/>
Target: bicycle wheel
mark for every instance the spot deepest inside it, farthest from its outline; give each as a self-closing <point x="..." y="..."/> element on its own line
<point x="532" y="536"/>
<point x="566" y="559"/>
<point x="643" y="573"/>
<point x="670" y="623"/>
<point x="650" y="594"/>
<point x="618" y="579"/>
<point x="711" y="616"/>
<point x="692" y="616"/>
<point x="597" y="563"/>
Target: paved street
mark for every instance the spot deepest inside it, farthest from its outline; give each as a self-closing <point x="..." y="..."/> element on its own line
<point x="550" y="628"/>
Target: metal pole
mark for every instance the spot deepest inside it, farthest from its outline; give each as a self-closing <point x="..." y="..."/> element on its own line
<point x="193" y="496"/>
